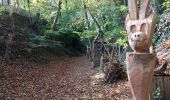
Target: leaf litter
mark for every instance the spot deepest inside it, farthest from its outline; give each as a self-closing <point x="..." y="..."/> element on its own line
<point x="63" y="78"/>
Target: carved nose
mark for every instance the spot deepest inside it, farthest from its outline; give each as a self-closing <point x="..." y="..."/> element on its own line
<point x="136" y="36"/>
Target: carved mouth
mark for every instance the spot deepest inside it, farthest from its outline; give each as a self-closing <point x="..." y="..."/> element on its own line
<point x="137" y="40"/>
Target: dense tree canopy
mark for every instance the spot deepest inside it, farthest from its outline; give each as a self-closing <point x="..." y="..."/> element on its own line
<point x="34" y="34"/>
<point x="52" y="22"/>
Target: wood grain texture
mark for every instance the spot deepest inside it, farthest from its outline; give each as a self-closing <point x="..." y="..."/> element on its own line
<point x="161" y="83"/>
<point x="133" y="9"/>
<point x="144" y="6"/>
<point x="145" y="27"/>
<point x="140" y="68"/>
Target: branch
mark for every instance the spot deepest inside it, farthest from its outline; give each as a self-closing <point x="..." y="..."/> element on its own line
<point x="101" y="33"/>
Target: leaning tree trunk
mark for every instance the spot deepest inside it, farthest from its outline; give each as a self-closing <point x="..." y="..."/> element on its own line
<point x="100" y="31"/>
<point x="86" y="15"/>
<point x="98" y="49"/>
<point x="55" y="25"/>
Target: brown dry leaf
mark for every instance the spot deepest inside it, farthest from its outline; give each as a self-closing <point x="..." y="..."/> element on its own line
<point x="62" y="78"/>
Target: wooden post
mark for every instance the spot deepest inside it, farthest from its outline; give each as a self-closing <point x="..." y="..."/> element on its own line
<point x="160" y="87"/>
<point x="140" y="67"/>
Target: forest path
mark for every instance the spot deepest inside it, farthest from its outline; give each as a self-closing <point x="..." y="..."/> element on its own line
<point x="62" y="78"/>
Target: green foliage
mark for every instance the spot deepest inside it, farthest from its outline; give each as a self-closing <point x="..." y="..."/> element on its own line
<point x="67" y="38"/>
<point x="42" y="42"/>
<point x="78" y="24"/>
<point x="112" y="16"/>
<point x="87" y="34"/>
<point x="166" y="5"/>
<point x="2" y="11"/>
<point x="163" y="29"/>
<point x="119" y="35"/>
<point x="157" y="93"/>
<point x="72" y="33"/>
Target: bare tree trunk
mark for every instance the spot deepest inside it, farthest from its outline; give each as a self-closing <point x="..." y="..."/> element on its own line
<point x="86" y="15"/>
<point x="8" y="2"/>
<point x="67" y="13"/>
<point x="115" y="2"/>
<point x="55" y="25"/>
<point x="9" y="40"/>
<point x="28" y="5"/>
<point x="101" y="33"/>
<point x="100" y="42"/>
<point x="125" y="2"/>
<point x="17" y="7"/>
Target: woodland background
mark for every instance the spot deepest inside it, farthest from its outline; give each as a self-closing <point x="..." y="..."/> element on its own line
<point x="44" y="31"/>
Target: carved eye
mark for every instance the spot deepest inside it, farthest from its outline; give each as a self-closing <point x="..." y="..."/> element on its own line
<point x="143" y="28"/>
<point x="133" y="28"/>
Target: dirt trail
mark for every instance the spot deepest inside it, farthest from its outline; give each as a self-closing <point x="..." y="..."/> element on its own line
<point x="62" y="78"/>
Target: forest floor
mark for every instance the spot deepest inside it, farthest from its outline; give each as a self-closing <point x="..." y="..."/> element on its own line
<point x="62" y="78"/>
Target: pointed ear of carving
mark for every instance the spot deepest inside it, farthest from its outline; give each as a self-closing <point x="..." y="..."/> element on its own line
<point x="144" y="6"/>
<point x="133" y="9"/>
<point x="126" y="21"/>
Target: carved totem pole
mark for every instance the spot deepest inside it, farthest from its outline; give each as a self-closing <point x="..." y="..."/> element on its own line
<point x="140" y="26"/>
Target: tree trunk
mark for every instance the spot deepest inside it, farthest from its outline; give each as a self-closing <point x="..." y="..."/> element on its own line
<point x="100" y="42"/>
<point x="8" y="2"/>
<point x="115" y="2"/>
<point x="101" y="33"/>
<point x="55" y="25"/>
<point x="86" y="15"/>
<point x="9" y="40"/>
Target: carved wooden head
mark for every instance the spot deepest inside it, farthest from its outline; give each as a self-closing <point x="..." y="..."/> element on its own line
<point x="140" y="27"/>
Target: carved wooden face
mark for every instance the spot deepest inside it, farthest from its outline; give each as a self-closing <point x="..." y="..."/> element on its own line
<point x="140" y="25"/>
<point x="140" y="33"/>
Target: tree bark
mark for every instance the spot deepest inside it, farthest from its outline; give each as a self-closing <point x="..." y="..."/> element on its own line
<point x="17" y="7"/>
<point x="86" y="15"/>
<point x="101" y="33"/>
<point x="101" y="41"/>
<point x="9" y="40"/>
<point x="140" y="67"/>
<point x="115" y="2"/>
<point x="55" y="25"/>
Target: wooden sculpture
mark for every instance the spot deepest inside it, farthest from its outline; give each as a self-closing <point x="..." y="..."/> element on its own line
<point x="140" y="26"/>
